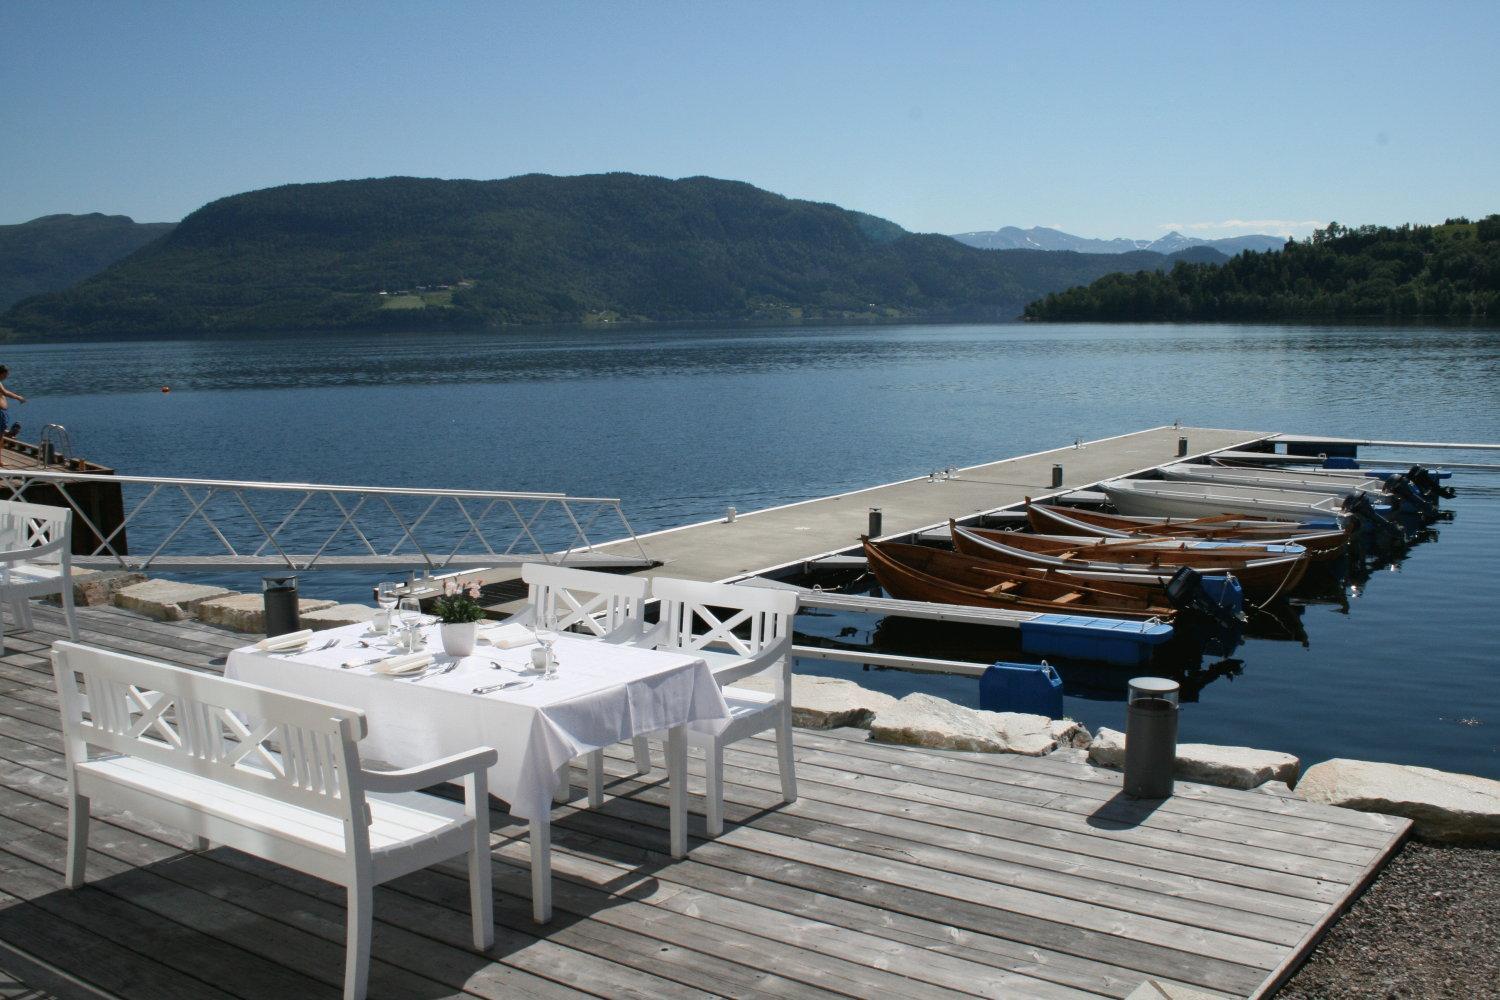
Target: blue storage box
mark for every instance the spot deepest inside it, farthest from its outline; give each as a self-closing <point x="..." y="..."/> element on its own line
<point x="1022" y="687"/>
<point x="1109" y="640"/>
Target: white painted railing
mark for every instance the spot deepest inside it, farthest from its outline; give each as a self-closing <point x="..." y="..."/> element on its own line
<point x="176" y="523"/>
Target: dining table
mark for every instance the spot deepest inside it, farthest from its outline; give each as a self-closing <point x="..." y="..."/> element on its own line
<point x="602" y="694"/>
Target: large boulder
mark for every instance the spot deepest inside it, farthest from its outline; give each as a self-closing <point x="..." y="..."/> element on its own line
<point x="1443" y="807"/>
<point x="825" y="702"/>
<point x="1231" y="767"/>
<point x="95" y="586"/>
<point x="925" y="721"/>
<point x="247" y="612"/>
<point x="166" y="599"/>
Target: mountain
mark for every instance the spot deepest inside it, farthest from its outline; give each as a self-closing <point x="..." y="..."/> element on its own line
<point x="50" y="253"/>
<point x="414" y="253"/>
<point x="1450" y="271"/>
<point x="1042" y="238"/>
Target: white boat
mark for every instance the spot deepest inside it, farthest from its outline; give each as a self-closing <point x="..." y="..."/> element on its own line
<point x="1275" y="479"/>
<point x="1163" y="498"/>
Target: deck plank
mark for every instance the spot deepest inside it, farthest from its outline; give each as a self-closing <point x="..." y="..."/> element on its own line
<point x="899" y="872"/>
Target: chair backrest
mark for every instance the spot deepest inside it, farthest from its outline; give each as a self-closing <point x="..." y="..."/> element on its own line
<point x="565" y="599"/>
<point x="44" y="533"/>
<point x="754" y="618"/>
<point x="293" y="749"/>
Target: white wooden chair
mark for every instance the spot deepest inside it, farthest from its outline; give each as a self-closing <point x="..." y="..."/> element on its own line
<point x="604" y="606"/>
<point x="36" y="559"/>
<point x="173" y="745"/>
<point x="754" y="635"/>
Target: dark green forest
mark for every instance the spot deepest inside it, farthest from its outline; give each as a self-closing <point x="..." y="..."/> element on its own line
<point x="56" y="251"/>
<point x="1451" y="272"/>
<point x="611" y="248"/>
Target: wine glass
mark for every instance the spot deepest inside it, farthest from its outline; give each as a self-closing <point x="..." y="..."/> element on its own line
<point x="410" y="611"/>
<point x="546" y="637"/>
<point x="386" y="593"/>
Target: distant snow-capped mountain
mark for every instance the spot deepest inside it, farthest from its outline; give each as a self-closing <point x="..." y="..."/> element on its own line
<point x="1042" y="238"/>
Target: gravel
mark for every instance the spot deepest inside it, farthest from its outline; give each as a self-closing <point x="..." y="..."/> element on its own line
<point x="1429" y="927"/>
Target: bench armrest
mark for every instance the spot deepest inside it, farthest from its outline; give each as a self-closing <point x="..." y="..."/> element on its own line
<point x="413" y="779"/>
<point x="752" y="665"/>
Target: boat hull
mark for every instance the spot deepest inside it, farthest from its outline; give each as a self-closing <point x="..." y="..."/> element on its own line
<point x="1193" y="500"/>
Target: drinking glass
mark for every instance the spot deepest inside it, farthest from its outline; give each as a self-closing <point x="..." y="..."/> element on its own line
<point x="546" y="637"/>
<point x="410" y="611"/>
<point x="385" y="595"/>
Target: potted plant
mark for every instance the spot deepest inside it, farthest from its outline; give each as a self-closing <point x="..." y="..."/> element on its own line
<point x="460" y="613"/>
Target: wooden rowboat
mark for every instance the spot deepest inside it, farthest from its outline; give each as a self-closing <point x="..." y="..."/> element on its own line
<point x="921" y="573"/>
<point x="1105" y="561"/>
<point x="1320" y="542"/>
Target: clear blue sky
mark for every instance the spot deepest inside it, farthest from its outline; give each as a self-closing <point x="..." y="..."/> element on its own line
<point x="1101" y="119"/>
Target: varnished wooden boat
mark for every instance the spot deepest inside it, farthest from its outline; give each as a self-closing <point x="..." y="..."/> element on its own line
<point x="1321" y="542"/>
<point x="1108" y="561"/>
<point x="921" y="573"/>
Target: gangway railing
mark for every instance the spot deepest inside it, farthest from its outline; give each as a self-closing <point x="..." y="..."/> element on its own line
<point x="212" y="524"/>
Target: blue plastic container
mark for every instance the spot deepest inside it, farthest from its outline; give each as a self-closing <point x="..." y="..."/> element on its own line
<point x="1108" y="640"/>
<point x="1022" y="687"/>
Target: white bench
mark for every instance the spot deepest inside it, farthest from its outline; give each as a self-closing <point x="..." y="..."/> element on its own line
<point x="286" y="785"/>
<point x="36" y="559"/>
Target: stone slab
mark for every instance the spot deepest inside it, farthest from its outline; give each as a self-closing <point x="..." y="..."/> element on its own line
<point x="95" y="586"/>
<point x="166" y="599"/>
<point x="336" y="615"/>
<point x="1227" y="766"/>
<point x="925" y="721"/>
<point x="1444" y="807"/>
<point x="825" y="702"/>
<point x="247" y="612"/>
<point x="1155" y="989"/>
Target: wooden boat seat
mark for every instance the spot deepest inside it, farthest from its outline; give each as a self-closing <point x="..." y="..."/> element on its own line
<point x="1068" y="598"/>
<point x="1001" y="588"/>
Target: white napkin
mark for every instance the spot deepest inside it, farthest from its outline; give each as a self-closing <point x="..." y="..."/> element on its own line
<point x="410" y="663"/>
<point x="285" y="641"/>
<point x="509" y="636"/>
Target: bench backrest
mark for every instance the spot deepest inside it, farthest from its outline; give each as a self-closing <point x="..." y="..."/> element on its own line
<point x="564" y="598"/>
<point x="749" y="620"/>
<point x="293" y="749"/>
<point x="45" y="533"/>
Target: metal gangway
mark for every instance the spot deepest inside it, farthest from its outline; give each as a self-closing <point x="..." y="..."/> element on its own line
<point x="170" y="523"/>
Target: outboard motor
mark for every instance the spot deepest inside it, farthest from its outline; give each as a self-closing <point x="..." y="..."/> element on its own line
<point x="1218" y="598"/>
<point x="1429" y="484"/>
<point x="1407" y="498"/>
<point x="1359" y="507"/>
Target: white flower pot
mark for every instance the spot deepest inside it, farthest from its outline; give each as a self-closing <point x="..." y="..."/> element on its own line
<point x="458" y="639"/>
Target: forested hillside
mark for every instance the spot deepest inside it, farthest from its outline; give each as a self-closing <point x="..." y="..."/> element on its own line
<point x="1450" y="271"/>
<point x="606" y="248"/>
<point x="55" y="251"/>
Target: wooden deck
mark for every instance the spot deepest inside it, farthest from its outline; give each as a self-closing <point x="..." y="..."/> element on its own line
<point x="900" y="872"/>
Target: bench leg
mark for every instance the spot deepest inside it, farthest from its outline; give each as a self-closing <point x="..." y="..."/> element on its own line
<point x="596" y="778"/>
<point x="22" y="609"/>
<point x="713" y="792"/>
<point x="67" y="603"/>
<point x="481" y="891"/>
<point x="201" y="844"/>
<point x="78" y="839"/>
<point x="357" y="941"/>
<point x="642" y="755"/>
<point x="785" y="759"/>
<point x="564" y="787"/>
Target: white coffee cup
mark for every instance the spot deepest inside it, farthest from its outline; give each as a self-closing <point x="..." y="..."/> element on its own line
<point x="380" y="622"/>
<point x="539" y="658"/>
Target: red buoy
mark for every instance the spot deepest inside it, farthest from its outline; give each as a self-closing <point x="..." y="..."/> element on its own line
<point x="166" y="388"/>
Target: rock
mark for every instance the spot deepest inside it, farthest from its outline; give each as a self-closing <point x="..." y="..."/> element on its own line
<point x="924" y="721"/>
<point x="1070" y="734"/>
<point x="825" y="702"/>
<point x="1444" y="807"/>
<point x="166" y="599"/>
<point x="1229" y="767"/>
<point x="246" y="612"/>
<point x="94" y="586"/>
<point x="336" y="615"/>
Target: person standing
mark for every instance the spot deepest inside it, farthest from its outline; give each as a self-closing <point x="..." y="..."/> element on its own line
<point x="8" y="429"/>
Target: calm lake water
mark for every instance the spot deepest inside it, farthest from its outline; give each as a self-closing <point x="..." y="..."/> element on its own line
<point x="682" y="423"/>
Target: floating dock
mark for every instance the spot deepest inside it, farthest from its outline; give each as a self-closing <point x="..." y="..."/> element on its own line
<point x="899" y="872"/>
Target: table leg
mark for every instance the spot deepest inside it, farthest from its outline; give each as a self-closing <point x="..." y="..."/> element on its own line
<point x="540" y="835"/>
<point x="677" y="789"/>
<point x="563" y="789"/>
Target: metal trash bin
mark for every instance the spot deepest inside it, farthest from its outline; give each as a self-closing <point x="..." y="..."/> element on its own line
<point x="1151" y="738"/>
<point x="279" y="594"/>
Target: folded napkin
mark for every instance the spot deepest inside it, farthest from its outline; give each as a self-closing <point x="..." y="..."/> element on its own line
<point x="409" y="663"/>
<point x="509" y="636"/>
<point x="285" y="641"/>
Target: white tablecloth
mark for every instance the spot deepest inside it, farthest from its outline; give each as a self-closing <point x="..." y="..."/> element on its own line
<point x="604" y="694"/>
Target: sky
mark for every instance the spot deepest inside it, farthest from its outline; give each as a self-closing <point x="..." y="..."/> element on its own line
<point x="1101" y="119"/>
